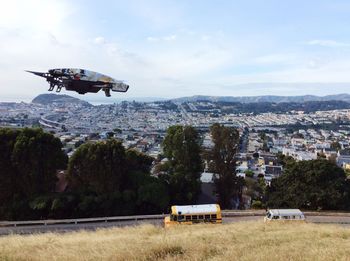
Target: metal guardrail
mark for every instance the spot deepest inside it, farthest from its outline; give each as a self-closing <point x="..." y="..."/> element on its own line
<point x="225" y="213"/>
<point x="79" y="220"/>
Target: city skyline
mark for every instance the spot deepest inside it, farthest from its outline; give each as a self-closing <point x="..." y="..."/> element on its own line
<point x="169" y="49"/>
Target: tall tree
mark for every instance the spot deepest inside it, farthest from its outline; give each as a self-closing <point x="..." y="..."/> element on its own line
<point x="28" y="163"/>
<point x="36" y="156"/>
<point x="223" y="163"/>
<point x="112" y="181"/>
<point x="8" y="187"/>
<point x="30" y="158"/>
<point x="182" y="148"/>
<point x="314" y="184"/>
<point x="98" y="167"/>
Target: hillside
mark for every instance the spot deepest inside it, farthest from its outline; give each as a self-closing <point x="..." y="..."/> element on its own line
<point x="267" y="98"/>
<point x="264" y="107"/>
<point x="48" y="98"/>
<point x="234" y="241"/>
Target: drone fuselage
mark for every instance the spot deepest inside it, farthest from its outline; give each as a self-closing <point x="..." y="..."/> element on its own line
<point x="82" y="81"/>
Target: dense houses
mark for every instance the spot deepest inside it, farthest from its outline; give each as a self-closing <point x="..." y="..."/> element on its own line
<point x="142" y="126"/>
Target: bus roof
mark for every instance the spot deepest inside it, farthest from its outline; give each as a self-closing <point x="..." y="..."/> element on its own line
<point x="195" y="209"/>
<point x="285" y="212"/>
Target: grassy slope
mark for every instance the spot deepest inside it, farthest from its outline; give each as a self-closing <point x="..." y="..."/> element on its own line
<point x="243" y="241"/>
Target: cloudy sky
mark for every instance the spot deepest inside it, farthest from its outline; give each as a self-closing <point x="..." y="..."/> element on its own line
<point x="179" y="48"/>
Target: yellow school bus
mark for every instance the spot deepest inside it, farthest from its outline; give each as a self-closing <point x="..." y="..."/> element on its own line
<point x="192" y="214"/>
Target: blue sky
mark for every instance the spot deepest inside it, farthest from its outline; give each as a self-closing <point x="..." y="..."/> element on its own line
<point x="179" y="48"/>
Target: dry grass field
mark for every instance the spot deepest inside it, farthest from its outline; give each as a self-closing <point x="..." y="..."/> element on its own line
<point x="235" y="241"/>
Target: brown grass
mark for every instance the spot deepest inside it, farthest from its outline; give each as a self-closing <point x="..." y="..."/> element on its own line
<point x="236" y="241"/>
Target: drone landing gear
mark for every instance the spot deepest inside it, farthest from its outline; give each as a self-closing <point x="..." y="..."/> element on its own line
<point x="107" y="92"/>
<point x="58" y="88"/>
<point x="52" y="86"/>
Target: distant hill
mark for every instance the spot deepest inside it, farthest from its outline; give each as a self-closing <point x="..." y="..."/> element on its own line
<point x="268" y="98"/>
<point x="48" y="98"/>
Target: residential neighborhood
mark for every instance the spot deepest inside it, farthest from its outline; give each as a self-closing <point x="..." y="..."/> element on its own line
<point x="264" y="137"/>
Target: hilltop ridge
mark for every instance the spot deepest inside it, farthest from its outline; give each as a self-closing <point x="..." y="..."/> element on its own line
<point x="266" y="98"/>
<point x="48" y="98"/>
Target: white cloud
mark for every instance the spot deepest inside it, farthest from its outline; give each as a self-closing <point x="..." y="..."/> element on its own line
<point x="100" y="40"/>
<point x="172" y="61"/>
<point x="35" y="15"/>
<point x="166" y="38"/>
<point x="170" y="37"/>
<point x="152" y="39"/>
<point x="205" y="37"/>
<point x="328" y="43"/>
<point x="334" y="71"/>
<point x="277" y="58"/>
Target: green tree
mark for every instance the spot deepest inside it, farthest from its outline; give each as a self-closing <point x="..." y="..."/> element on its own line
<point x="153" y="197"/>
<point x="28" y="164"/>
<point x="137" y="161"/>
<point x="110" y="134"/>
<point x="257" y="204"/>
<point x="223" y="163"/>
<point x="182" y="148"/>
<point x="249" y="173"/>
<point x="8" y="184"/>
<point x="117" y="130"/>
<point x="315" y="184"/>
<point x="36" y="156"/>
<point x="284" y="160"/>
<point x="98" y="167"/>
<point x="112" y="181"/>
<point x="254" y="188"/>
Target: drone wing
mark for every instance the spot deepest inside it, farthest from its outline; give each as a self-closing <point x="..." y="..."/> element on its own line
<point x="41" y="74"/>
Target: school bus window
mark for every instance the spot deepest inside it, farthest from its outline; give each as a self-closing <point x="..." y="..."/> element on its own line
<point x="213" y="216"/>
<point x="194" y="217"/>
<point x="200" y="217"/>
<point x="188" y="218"/>
<point x="207" y="216"/>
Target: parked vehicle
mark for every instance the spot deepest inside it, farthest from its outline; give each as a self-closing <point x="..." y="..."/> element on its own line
<point x="284" y="215"/>
<point x="192" y="214"/>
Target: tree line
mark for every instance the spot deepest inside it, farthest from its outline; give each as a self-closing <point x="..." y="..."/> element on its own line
<point x="316" y="185"/>
<point x="105" y="179"/>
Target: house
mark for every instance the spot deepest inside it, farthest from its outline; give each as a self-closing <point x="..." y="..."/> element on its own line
<point x="305" y="155"/>
<point x="330" y="153"/>
<point x="297" y="142"/>
<point x="343" y="158"/>
<point x="273" y="171"/>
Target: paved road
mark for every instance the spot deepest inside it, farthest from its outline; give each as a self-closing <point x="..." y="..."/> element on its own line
<point x="61" y="228"/>
<point x="311" y="219"/>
